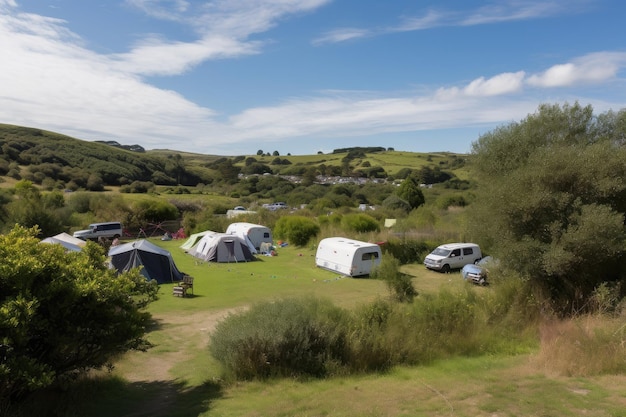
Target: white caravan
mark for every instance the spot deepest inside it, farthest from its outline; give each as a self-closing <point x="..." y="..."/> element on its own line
<point x="253" y="234"/>
<point x="453" y="256"/>
<point x="346" y="256"/>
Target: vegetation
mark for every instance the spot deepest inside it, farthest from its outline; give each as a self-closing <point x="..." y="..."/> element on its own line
<point x="552" y="201"/>
<point x="62" y="314"/>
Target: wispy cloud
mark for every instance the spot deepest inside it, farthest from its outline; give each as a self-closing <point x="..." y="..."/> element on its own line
<point x="495" y="12"/>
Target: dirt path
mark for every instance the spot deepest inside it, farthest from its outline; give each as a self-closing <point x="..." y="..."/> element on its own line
<point x="192" y="332"/>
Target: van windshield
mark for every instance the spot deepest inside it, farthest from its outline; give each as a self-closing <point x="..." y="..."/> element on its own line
<point x="441" y="252"/>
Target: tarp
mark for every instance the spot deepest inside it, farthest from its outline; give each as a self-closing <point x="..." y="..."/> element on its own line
<point x="222" y="247"/>
<point x="157" y="263"/>
<point x="193" y="240"/>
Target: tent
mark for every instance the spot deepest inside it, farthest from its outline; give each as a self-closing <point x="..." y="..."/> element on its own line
<point x="65" y="237"/>
<point x="193" y="239"/>
<point x="157" y="263"/>
<point x="222" y="247"/>
<point x="69" y="247"/>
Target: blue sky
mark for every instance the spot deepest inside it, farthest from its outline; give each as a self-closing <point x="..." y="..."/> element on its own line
<point x="230" y="77"/>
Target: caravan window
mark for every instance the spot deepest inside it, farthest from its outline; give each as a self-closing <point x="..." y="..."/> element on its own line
<point x="367" y="256"/>
<point x="266" y="235"/>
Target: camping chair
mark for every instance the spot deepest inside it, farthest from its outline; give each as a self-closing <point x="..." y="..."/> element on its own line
<point x="186" y="283"/>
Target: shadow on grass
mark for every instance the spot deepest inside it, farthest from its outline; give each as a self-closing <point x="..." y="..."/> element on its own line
<point x="112" y="396"/>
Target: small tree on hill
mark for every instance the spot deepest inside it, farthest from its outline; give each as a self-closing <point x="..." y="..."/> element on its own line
<point x="410" y="192"/>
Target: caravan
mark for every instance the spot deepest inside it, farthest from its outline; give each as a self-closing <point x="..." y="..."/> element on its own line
<point x="253" y="234"/>
<point x="347" y="256"/>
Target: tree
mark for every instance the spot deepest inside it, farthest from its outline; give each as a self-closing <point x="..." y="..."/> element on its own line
<point x="410" y="192"/>
<point x="552" y="199"/>
<point x="259" y="152"/>
<point x="62" y="314"/>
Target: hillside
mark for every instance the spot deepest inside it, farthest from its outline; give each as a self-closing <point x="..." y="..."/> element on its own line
<point x="63" y="161"/>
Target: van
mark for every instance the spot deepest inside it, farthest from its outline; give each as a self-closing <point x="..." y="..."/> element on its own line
<point x="109" y="230"/>
<point x="453" y="256"/>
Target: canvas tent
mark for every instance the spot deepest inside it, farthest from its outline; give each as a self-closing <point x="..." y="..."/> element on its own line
<point x="68" y="241"/>
<point x="222" y="247"/>
<point x="253" y="234"/>
<point x="193" y="239"/>
<point x="157" y="263"/>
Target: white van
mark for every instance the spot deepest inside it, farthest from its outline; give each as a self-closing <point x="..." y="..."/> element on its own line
<point x="109" y="230"/>
<point x="453" y="256"/>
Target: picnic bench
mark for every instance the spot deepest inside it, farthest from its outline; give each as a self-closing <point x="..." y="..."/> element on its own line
<point x="184" y="287"/>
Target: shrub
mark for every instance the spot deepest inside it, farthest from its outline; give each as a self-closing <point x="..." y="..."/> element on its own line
<point x="407" y="250"/>
<point x="62" y="314"/>
<point x="360" y="223"/>
<point x="297" y="230"/>
<point x="400" y="285"/>
<point x="289" y="338"/>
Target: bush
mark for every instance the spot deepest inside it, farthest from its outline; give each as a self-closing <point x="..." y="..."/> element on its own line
<point x="289" y="338"/>
<point x="406" y="251"/>
<point x="63" y="314"/>
<point x="297" y="230"/>
<point x="400" y="285"/>
<point x="360" y="223"/>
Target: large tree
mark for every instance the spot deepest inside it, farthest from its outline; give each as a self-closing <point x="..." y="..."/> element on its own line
<point x="552" y="198"/>
<point x="63" y="313"/>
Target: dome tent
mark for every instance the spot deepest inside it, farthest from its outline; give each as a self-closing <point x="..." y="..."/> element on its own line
<point x="221" y="247"/>
<point x="157" y="263"/>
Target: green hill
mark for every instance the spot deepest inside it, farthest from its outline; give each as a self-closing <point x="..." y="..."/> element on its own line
<point x="38" y="155"/>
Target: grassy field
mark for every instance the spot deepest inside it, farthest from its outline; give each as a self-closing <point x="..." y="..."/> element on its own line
<point x="177" y="377"/>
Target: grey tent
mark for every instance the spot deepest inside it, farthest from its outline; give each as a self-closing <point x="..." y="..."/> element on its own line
<point x="157" y="263"/>
<point x="221" y="247"/>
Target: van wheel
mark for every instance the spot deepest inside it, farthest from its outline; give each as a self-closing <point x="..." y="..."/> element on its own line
<point x="445" y="269"/>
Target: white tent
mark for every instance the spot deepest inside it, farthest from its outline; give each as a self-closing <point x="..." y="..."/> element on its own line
<point x="221" y="247"/>
<point x="253" y="234"/>
<point x="67" y="245"/>
<point x="193" y="239"/>
<point x="65" y="237"/>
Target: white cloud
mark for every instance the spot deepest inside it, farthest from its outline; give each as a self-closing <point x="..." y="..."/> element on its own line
<point x="500" y="84"/>
<point x="341" y="35"/>
<point x="592" y="68"/>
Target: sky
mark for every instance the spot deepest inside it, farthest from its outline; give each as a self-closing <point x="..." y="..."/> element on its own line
<point x="231" y="77"/>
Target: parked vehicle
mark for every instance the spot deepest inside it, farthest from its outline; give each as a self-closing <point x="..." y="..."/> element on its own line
<point x="477" y="273"/>
<point x="453" y="256"/>
<point x="109" y="230"/>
